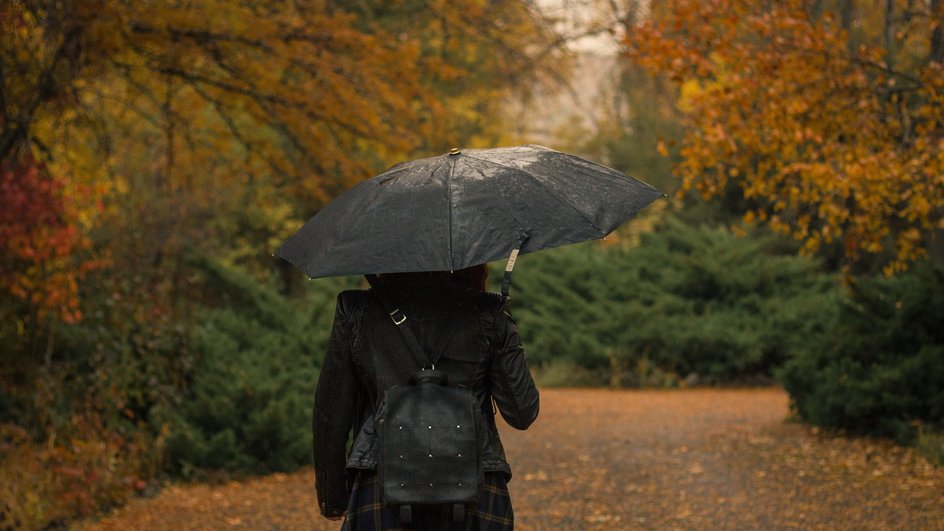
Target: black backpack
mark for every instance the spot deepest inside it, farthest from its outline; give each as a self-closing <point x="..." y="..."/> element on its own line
<point x="430" y="435"/>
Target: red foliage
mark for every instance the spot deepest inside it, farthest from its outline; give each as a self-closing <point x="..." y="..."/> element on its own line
<point x="39" y="239"/>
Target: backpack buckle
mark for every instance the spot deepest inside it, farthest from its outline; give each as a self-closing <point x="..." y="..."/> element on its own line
<point x="406" y="514"/>
<point x="397" y="320"/>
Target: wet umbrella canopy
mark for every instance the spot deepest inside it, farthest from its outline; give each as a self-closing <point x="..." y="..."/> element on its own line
<point x="465" y="208"/>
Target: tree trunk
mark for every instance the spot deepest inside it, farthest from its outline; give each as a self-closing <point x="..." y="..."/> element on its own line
<point x="846" y="13"/>
<point x="937" y="34"/>
<point x="936" y="247"/>
<point x="889" y="32"/>
<point x="50" y="344"/>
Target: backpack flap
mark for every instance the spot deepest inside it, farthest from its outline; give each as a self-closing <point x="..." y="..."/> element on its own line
<point x="429" y="445"/>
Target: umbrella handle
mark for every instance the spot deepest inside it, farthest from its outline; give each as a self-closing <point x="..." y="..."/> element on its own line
<point x="512" y="258"/>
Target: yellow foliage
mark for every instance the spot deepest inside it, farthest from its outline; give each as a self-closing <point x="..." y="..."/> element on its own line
<point x="832" y="139"/>
<point x="160" y="116"/>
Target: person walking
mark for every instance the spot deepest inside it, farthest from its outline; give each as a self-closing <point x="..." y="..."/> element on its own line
<point x="449" y="313"/>
<point x="446" y="212"/>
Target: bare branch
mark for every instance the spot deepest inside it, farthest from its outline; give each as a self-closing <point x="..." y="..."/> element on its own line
<point x="17" y="128"/>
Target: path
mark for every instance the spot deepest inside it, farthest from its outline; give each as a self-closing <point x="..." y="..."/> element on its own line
<point x="602" y="459"/>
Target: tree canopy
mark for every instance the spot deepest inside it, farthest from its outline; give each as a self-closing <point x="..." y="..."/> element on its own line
<point x="227" y="123"/>
<point x="827" y="116"/>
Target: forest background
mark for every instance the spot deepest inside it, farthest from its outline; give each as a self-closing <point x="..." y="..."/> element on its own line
<point x="154" y="154"/>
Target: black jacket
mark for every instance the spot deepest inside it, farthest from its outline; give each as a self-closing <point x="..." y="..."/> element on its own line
<point x="367" y="354"/>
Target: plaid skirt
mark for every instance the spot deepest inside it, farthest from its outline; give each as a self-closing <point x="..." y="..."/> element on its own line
<point x="366" y="510"/>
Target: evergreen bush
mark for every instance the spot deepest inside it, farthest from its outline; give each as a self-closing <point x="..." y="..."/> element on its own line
<point x="879" y="367"/>
<point x="249" y="397"/>
<point x="696" y="302"/>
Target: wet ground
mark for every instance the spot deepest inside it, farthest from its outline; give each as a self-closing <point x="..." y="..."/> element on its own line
<point x="605" y="459"/>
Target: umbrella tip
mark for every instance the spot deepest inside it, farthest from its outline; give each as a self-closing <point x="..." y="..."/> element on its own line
<point x="454" y="151"/>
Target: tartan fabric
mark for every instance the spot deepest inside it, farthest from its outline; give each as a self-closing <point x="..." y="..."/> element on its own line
<point x="366" y="510"/>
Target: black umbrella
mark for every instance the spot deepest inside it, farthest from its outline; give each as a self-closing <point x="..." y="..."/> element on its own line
<point x="465" y="208"/>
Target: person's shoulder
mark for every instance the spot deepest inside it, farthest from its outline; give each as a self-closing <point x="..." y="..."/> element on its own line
<point x="489" y="302"/>
<point x="353" y="300"/>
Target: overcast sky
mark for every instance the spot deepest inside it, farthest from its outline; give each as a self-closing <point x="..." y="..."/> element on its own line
<point x="580" y="16"/>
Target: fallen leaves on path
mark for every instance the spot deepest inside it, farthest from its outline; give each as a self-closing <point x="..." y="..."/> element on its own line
<point x="605" y="459"/>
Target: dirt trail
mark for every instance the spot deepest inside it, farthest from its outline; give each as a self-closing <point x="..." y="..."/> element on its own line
<point x="601" y="459"/>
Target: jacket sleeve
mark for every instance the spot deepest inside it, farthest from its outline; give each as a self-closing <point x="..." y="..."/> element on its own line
<point x="512" y="386"/>
<point x="334" y="409"/>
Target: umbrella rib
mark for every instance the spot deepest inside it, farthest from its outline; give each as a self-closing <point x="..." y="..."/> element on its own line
<point x="550" y="192"/>
<point x="389" y="173"/>
<point x="452" y="170"/>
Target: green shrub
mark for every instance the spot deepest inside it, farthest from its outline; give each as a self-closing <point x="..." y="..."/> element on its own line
<point x="249" y="397"/>
<point x="687" y="301"/>
<point x="879" y="366"/>
<point x="224" y="381"/>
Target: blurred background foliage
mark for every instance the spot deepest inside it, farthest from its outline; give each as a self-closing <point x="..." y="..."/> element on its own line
<point x="690" y="303"/>
<point x="154" y="154"/>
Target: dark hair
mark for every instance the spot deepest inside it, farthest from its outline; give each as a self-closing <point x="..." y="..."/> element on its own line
<point x="472" y="278"/>
<point x="476" y="277"/>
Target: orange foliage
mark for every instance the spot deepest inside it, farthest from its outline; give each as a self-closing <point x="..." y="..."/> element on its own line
<point x="285" y="79"/>
<point x="252" y="114"/>
<point x="831" y="140"/>
<point x="71" y="475"/>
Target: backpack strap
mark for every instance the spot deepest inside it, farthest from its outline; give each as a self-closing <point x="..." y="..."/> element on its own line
<point x="398" y="318"/>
